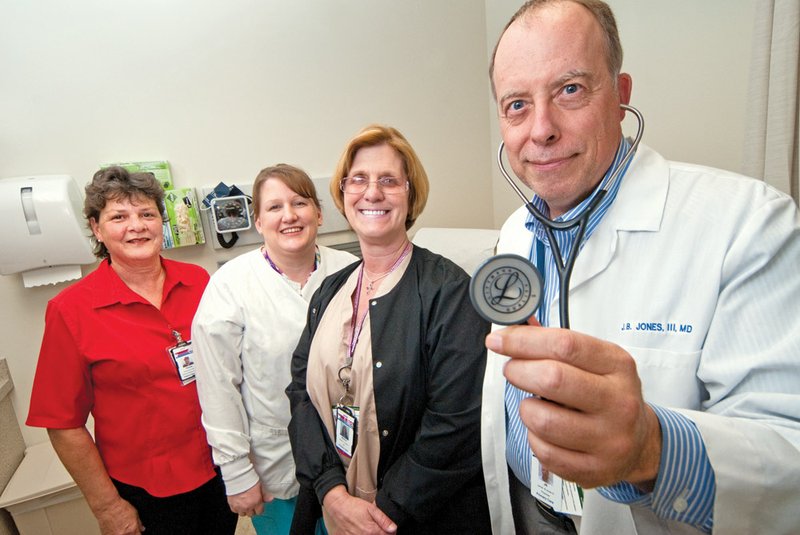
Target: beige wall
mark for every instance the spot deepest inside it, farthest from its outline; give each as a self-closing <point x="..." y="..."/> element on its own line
<point x="223" y="89"/>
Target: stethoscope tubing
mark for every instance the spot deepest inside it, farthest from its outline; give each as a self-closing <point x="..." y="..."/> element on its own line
<point x="581" y="220"/>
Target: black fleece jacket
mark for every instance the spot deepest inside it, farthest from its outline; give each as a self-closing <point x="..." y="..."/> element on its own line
<point x="428" y="364"/>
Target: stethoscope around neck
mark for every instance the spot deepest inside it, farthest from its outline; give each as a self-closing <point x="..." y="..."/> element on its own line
<point x="563" y="267"/>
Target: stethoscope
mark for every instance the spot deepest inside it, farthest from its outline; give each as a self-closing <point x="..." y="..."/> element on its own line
<point x="565" y="268"/>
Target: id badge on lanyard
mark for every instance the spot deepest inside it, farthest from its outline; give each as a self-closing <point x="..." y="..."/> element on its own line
<point x="345" y="420"/>
<point x="182" y="358"/>
<point x="345" y="417"/>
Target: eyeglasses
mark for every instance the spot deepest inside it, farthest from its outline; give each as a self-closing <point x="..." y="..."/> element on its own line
<point x="359" y="183"/>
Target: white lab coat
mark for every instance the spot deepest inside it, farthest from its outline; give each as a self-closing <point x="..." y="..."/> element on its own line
<point x="717" y="256"/>
<point x="244" y="333"/>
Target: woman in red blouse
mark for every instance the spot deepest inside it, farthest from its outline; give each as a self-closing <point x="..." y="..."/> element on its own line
<point x="116" y="345"/>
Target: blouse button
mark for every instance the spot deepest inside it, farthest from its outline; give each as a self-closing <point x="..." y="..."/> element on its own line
<point x="385" y="432"/>
<point x="374" y="303"/>
<point x="378" y="364"/>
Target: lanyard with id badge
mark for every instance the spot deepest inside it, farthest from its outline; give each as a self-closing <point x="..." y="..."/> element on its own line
<point x="345" y="415"/>
<point x="181" y="355"/>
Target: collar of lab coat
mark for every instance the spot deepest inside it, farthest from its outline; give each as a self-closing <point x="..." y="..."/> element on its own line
<point x="639" y="207"/>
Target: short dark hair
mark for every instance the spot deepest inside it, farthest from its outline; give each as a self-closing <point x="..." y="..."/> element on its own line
<point x="116" y="183"/>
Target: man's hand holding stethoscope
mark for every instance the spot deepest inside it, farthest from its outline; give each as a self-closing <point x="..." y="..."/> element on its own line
<point x="589" y="423"/>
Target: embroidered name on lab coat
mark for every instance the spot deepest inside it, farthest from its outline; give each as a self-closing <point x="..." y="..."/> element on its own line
<point x="657" y="326"/>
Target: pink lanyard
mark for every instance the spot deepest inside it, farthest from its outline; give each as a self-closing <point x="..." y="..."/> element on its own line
<point x="359" y="326"/>
<point x="278" y="270"/>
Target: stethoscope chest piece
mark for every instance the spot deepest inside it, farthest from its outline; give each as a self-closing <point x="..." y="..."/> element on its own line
<point x="506" y="289"/>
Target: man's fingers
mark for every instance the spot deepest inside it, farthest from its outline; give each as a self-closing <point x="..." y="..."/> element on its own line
<point x="622" y="443"/>
<point x="561" y="383"/>
<point x="562" y="426"/>
<point x="570" y="347"/>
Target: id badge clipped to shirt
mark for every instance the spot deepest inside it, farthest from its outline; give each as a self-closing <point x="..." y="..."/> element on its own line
<point x="181" y="355"/>
<point x="345" y="419"/>
<point x="561" y="495"/>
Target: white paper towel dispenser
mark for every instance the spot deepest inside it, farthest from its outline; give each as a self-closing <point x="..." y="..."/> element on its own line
<point x="43" y="234"/>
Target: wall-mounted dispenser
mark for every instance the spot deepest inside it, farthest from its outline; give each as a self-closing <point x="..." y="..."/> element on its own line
<point x="43" y="233"/>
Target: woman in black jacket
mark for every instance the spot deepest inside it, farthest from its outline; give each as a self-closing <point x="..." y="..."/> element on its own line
<point x="386" y="379"/>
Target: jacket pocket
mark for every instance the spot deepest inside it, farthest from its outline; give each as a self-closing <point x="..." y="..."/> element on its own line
<point x="669" y="378"/>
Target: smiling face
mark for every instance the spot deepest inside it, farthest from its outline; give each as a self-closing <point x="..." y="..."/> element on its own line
<point x="131" y="230"/>
<point x="558" y="103"/>
<point x="375" y="216"/>
<point x="287" y="220"/>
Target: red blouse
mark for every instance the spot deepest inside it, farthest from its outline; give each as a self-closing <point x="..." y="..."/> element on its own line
<point x="104" y="351"/>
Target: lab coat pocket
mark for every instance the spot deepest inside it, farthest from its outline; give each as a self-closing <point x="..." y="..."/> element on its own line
<point x="669" y="378"/>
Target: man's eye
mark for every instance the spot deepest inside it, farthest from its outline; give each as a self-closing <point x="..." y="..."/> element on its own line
<point x="571" y="89"/>
<point x="515" y="108"/>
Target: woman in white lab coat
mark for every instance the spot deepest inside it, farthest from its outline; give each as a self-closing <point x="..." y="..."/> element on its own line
<point x="246" y="327"/>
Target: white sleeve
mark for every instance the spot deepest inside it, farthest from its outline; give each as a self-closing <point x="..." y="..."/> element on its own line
<point x="217" y="333"/>
<point x="751" y="369"/>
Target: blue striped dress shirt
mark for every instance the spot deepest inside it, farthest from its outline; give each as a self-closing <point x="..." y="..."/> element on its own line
<point x="685" y="487"/>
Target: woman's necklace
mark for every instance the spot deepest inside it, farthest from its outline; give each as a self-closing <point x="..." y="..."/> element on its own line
<point x="371" y="281"/>
<point x="274" y="266"/>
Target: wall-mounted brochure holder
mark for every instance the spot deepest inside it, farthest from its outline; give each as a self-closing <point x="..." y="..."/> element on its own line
<point x="182" y="224"/>
<point x="159" y="169"/>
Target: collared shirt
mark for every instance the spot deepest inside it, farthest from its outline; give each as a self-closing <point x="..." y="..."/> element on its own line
<point x="104" y="351"/>
<point x="692" y="484"/>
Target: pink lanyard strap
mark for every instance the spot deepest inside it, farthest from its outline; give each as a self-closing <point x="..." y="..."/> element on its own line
<point x="357" y="326"/>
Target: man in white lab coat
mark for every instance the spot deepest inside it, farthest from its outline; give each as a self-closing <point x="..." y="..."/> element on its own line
<point x="676" y="395"/>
